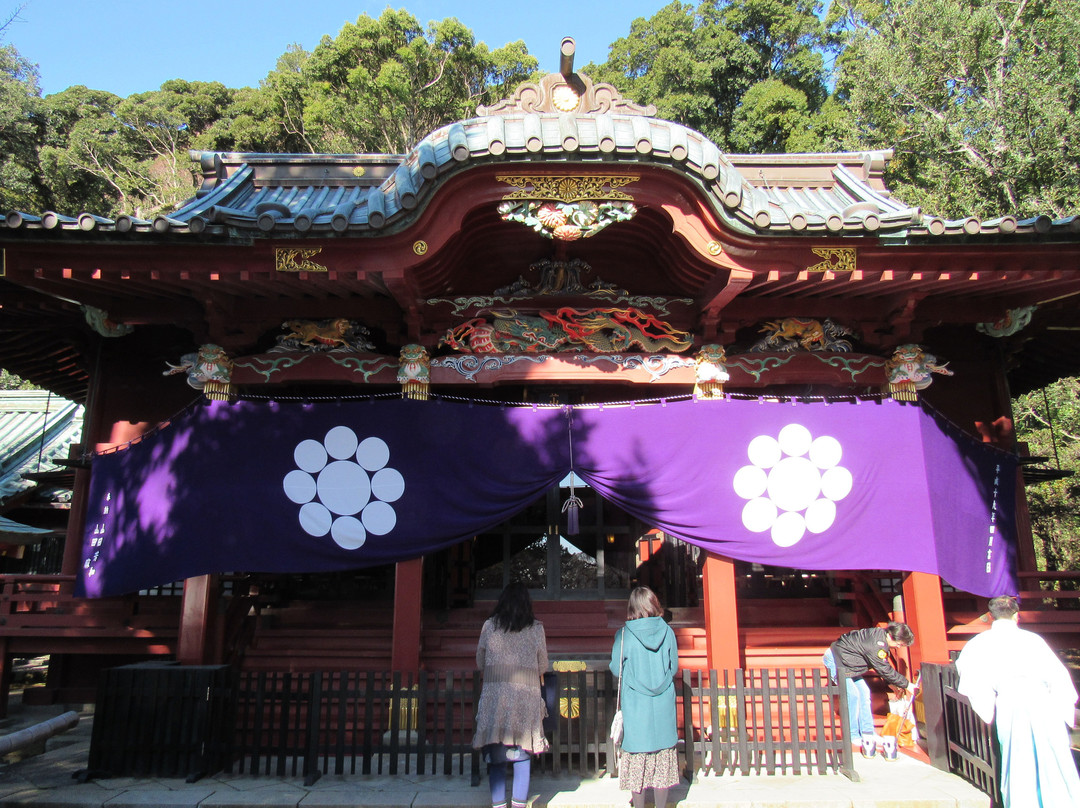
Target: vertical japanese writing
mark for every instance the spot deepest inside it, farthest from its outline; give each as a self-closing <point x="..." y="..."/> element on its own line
<point x="98" y="532"/>
<point x="993" y="519"/>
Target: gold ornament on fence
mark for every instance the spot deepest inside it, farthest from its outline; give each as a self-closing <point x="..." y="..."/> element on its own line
<point x="569" y="707"/>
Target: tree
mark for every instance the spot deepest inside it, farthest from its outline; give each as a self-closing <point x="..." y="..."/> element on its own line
<point x="133" y="152"/>
<point x="21" y="186"/>
<point x="80" y="137"/>
<point x="270" y="118"/>
<point x="748" y="74"/>
<point x="9" y="381"/>
<point x="380" y="86"/>
<point x="1048" y="420"/>
<point x="978" y="97"/>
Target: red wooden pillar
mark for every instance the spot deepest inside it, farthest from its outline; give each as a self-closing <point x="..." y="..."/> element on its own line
<point x="408" y="580"/>
<point x="73" y="537"/>
<point x="196" y="644"/>
<point x="94" y="428"/>
<point x="721" y="613"/>
<point x="924" y="611"/>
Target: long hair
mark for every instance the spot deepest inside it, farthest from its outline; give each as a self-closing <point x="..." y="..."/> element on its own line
<point x="513" y="612"/>
<point x="643" y="603"/>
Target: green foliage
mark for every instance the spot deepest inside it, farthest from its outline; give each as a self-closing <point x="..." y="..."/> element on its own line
<point x="1048" y="421"/>
<point x="9" y="381"/>
<point x="380" y="86"/>
<point x="748" y="74"/>
<point x="978" y="97"/>
<point x="21" y="185"/>
<point x="131" y="152"/>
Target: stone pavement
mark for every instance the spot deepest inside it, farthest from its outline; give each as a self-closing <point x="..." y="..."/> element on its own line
<point x="46" y="781"/>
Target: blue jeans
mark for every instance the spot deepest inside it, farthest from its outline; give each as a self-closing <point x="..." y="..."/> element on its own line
<point x="860" y="717"/>
<point x="499" y="757"/>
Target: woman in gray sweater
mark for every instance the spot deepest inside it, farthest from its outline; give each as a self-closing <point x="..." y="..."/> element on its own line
<point x="512" y="653"/>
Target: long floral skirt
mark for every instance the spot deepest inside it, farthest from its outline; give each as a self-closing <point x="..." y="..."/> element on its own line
<point x="641" y="770"/>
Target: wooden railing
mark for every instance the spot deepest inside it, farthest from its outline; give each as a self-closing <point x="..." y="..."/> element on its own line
<point x="1065" y="596"/>
<point x="306" y="724"/>
<point x="39" y="614"/>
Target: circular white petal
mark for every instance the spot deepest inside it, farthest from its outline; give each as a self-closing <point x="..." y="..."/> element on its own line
<point x="348" y="532"/>
<point x="379" y="518"/>
<point x="758" y="515"/>
<point x="373" y="454"/>
<point x="310" y="455"/>
<point x="315" y="519"/>
<point x="825" y="452"/>
<point x="794" y="440"/>
<point x="820" y="515"/>
<point x="750" y="482"/>
<point x="387" y="485"/>
<point x="836" y="483"/>
<point x="299" y="486"/>
<point x="789" y="528"/>
<point x="763" y="451"/>
<point x="340" y="442"/>
<point x="794" y="483"/>
<point x="344" y="487"/>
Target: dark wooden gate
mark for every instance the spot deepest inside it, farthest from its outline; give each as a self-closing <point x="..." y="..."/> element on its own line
<point x="957" y="739"/>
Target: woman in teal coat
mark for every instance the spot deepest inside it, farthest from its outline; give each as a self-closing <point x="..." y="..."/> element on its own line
<point x="646" y="658"/>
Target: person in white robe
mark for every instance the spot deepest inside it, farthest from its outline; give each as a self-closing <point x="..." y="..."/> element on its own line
<point x="1013" y="676"/>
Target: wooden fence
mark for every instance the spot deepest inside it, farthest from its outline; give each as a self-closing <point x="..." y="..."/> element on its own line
<point x="763" y="722"/>
<point x="357" y="723"/>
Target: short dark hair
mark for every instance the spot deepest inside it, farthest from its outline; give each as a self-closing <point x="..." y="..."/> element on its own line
<point x="643" y="603"/>
<point x="513" y="612"/>
<point x="900" y="633"/>
<point x="1003" y="606"/>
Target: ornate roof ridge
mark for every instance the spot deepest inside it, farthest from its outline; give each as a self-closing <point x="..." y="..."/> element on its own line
<point x="824" y="194"/>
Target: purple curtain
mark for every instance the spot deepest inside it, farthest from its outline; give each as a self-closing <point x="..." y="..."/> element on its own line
<point x="810" y="486"/>
<point x="289" y="487"/>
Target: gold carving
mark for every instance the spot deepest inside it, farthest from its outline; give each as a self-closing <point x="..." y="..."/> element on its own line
<point x="568" y="188"/>
<point x="419" y="247"/>
<point x="293" y="259"/>
<point x="564" y="98"/>
<point x="837" y="259"/>
<point x="714" y="248"/>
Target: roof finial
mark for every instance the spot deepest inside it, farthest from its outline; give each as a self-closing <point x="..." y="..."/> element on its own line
<point x="566" y="57"/>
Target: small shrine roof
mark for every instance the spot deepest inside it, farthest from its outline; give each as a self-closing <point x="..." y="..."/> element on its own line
<point x="36" y="429"/>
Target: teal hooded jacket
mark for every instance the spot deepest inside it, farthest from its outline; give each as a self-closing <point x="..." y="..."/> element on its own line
<point x="650" y="659"/>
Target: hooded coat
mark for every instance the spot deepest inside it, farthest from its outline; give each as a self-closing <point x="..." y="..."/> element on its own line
<point x="648" y="654"/>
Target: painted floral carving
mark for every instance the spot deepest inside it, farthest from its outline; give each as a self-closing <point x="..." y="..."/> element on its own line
<point x="567" y="221"/>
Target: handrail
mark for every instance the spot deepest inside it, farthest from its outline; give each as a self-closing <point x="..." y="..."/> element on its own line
<point x="1050" y="575"/>
<point x="27" y="578"/>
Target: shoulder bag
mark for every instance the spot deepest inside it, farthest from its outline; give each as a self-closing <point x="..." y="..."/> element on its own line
<point x="616" y="733"/>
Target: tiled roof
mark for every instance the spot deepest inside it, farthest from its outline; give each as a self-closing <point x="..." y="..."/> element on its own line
<point x="292" y="195"/>
<point x="36" y="429"/>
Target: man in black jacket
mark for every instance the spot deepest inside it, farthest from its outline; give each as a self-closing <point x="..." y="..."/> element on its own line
<point x="854" y="654"/>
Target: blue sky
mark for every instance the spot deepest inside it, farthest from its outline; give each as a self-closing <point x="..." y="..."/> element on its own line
<point x="126" y="47"/>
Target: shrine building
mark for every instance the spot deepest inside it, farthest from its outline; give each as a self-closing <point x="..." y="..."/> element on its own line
<point x="334" y="403"/>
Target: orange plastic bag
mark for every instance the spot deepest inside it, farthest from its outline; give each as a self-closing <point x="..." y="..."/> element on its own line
<point x="902" y="731"/>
